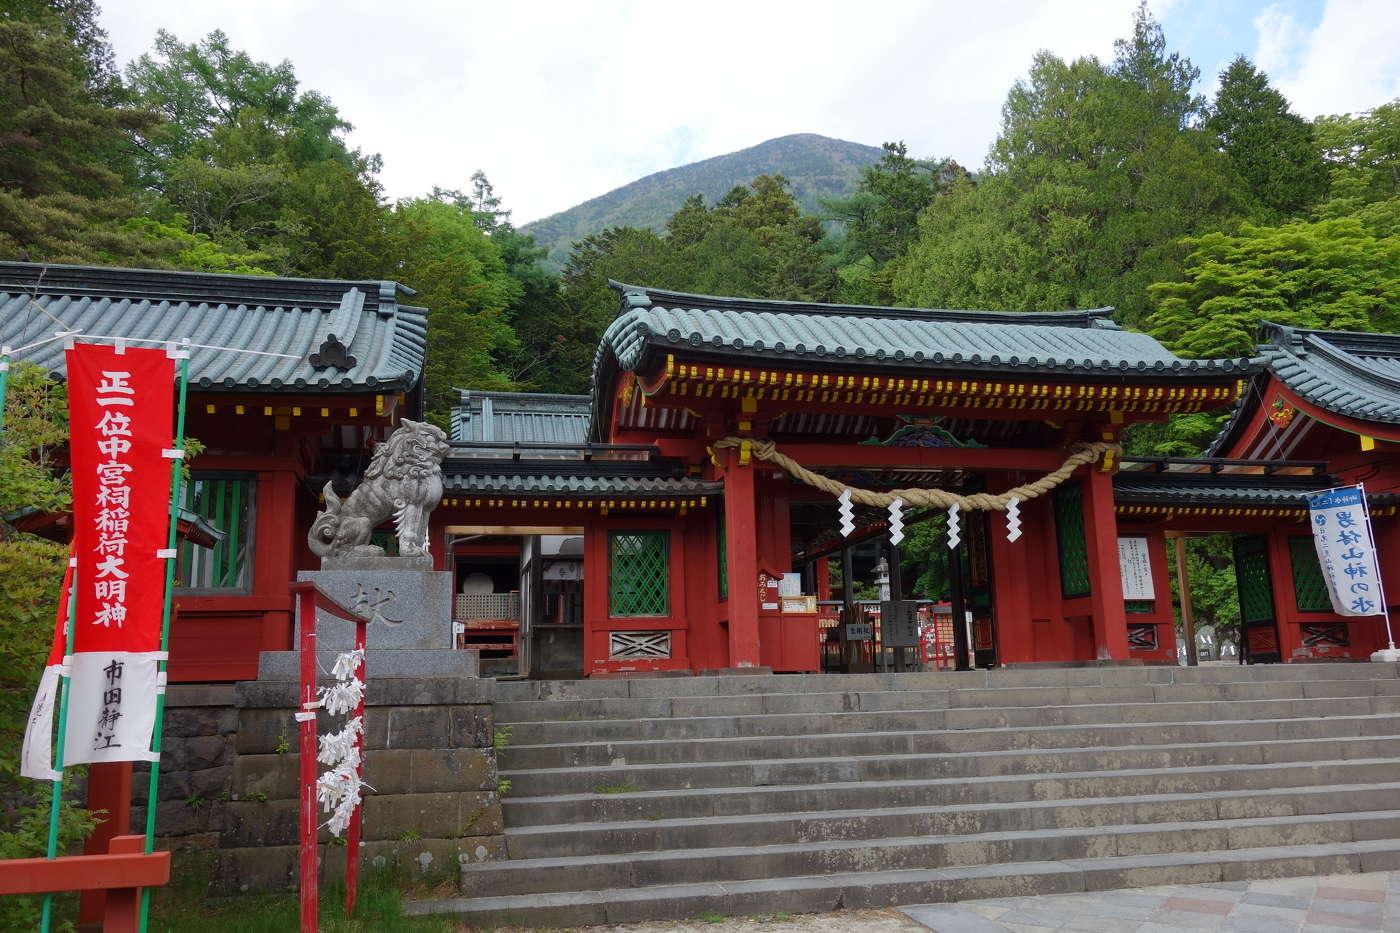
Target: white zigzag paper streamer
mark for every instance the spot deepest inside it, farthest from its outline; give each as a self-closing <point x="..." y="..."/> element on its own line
<point x="1013" y="518"/>
<point x="339" y="790"/>
<point x="896" y="521"/>
<point x="954" y="525"/>
<point x="848" y="524"/>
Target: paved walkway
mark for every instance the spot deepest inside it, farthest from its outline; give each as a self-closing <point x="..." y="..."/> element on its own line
<point x="1281" y="905"/>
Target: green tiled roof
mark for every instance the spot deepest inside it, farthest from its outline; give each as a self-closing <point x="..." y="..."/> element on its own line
<point x="1346" y="372"/>
<point x="1084" y="343"/>
<point x="1205" y="489"/>
<point x="520" y="417"/>
<point x="1349" y="373"/>
<point x="477" y="477"/>
<point x="345" y="335"/>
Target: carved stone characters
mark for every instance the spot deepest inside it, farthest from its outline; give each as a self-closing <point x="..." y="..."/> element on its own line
<point x="404" y="480"/>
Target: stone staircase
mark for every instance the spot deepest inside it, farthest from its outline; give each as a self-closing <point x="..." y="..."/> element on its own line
<point x="675" y="798"/>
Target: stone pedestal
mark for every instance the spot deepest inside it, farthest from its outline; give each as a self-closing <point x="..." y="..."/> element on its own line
<point x="406" y="608"/>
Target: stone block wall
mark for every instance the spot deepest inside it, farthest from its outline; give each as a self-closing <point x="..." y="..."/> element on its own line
<point x="196" y="767"/>
<point x="430" y="759"/>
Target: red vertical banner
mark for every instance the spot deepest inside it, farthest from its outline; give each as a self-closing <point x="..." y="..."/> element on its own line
<point x="121" y="415"/>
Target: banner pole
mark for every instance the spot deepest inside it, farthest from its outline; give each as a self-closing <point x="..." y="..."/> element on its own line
<point x="1380" y="574"/>
<point x="56" y="794"/>
<point x="157" y="735"/>
<point x="4" y="385"/>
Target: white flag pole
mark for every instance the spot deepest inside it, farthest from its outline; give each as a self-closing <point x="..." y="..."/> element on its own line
<point x="1380" y="573"/>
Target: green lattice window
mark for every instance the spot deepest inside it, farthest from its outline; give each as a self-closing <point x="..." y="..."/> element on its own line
<point x="225" y="501"/>
<point x="1252" y="577"/>
<point x="638" y="583"/>
<point x="1069" y="534"/>
<point x="722" y="552"/>
<point x="1309" y="587"/>
<point x="1139" y="606"/>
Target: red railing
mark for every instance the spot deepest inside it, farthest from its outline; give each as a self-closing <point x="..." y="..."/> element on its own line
<point x="309" y="598"/>
<point x="122" y="873"/>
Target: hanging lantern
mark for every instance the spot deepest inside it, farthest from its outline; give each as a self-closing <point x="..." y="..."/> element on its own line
<point x="896" y="521"/>
<point x="1013" y="518"/>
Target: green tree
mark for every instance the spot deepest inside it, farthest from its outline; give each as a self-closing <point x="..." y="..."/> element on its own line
<point x="31" y="572"/>
<point x="64" y="154"/>
<point x="460" y="276"/>
<point x="1271" y="148"/>
<point x="1097" y="172"/>
<point x="250" y="159"/>
<point x="1327" y="274"/>
<point x="1363" y="158"/>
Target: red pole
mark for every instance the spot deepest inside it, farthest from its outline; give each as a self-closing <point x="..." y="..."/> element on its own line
<point x="306" y="613"/>
<point x="352" y="842"/>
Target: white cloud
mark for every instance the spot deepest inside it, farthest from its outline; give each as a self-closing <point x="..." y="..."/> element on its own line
<point x="1347" y="63"/>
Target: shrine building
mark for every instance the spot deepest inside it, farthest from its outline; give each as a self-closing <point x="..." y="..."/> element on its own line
<point x="686" y="515"/>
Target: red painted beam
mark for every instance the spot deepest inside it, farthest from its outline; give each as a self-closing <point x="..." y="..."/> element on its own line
<point x="85" y="872"/>
<point x="856" y="455"/>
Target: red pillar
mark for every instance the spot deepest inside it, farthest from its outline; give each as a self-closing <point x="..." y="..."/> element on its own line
<point x="742" y="543"/>
<point x="822" y="573"/>
<point x="109" y="788"/>
<point x="1290" y="635"/>
<point x="1011" y="585"/>
<point x="1105" y="581"/>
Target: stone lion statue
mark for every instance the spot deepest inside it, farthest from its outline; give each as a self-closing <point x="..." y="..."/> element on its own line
<point x="404" y="480"/>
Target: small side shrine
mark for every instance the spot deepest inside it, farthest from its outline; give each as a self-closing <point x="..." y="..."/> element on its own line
<point x="326" y="369"/>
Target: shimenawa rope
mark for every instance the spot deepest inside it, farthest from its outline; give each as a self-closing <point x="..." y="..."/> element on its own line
<point x="1080" y="454"/>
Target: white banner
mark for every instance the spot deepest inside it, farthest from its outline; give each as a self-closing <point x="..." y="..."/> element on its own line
<point x="1342" y="535"/>
<point x="111" y="707"/>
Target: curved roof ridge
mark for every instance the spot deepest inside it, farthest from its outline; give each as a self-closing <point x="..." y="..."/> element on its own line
<point x="642" y="297"/>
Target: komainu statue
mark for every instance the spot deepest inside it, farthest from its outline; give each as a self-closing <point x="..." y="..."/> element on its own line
<point x="404" y="480"/>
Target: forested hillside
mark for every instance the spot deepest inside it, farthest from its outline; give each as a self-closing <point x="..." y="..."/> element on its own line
<point x="815" y="166"/>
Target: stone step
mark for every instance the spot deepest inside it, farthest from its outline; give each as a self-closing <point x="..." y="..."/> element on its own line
<point x="803" y="827"/>
<point x="812" y="893"/>
<point x="625" y="804"/>
<point x="846" y="768"/>
<point x="926" y="699"/>
<point x="787" y="724"/>
<point x="643" y="688"/>
<point x="664" y="751"/>
<point x="898" y="853"/>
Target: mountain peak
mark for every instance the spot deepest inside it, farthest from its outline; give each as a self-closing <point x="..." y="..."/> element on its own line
<point x="817" y="167"/>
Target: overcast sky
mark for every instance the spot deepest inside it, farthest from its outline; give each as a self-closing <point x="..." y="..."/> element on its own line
<point x="559" y="102"/>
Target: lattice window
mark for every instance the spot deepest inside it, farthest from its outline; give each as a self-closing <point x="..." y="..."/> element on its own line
<point x="1069" y="534"/>
<point x="638" y="582"/>
<point x="225" y="501"/>
<point x="1309" y="587"/>
<point x="624" y="646"/>
<point x="1252" y="576"/>
<point x="1139" y="606"/>
<point x="722" y="550"/>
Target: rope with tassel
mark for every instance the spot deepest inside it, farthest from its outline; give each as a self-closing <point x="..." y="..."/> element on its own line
<point x="1079" y="455"/>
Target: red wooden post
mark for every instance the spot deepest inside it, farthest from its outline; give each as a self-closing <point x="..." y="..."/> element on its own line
<point x="352" y="850"/>
<point x="742" y="544"/>
<point x="1105" y="580"/>
<point x="122" y="872"/>
<point x="306" y="617"/>
<point x="109" y="788"/>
